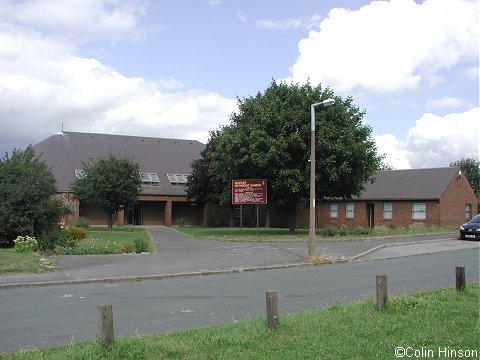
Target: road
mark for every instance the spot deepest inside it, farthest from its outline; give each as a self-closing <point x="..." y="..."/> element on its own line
<point x="56" y="315"/>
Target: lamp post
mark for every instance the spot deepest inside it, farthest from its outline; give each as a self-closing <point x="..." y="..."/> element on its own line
<point x="311" y="228"/>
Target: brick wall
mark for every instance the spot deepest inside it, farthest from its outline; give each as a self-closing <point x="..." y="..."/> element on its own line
<point x="453" y="201"/>
<point x="401" y="214"/>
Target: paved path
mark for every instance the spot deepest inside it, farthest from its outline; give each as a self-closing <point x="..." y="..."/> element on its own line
<point x="181" y="254"/>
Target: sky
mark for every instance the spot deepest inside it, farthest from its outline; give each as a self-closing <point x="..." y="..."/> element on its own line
<point x="176" y="68"/>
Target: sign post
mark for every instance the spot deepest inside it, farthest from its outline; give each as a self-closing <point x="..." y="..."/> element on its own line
<point x="249" y="192"/>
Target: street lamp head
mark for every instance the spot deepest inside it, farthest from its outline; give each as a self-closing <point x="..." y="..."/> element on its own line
<point x="324" y="103"/>
<point x="328" y="102"/>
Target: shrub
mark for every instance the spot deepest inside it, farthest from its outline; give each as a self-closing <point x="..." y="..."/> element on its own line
<point x="127" y="249"/>
<point x="361" y="231"/>
<point x="343" y="230"/>
<point x="50" y="237"/>
<point x="25" y="244"/>
<point x="329" y="231"/>
<point x="141" y="245"/>
<point x="75" y="233"/>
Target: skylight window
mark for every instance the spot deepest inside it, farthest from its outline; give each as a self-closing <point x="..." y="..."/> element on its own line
<point x="149" y="178"/>
<point x="79" y="173"/>
<point x="178" y="179"/>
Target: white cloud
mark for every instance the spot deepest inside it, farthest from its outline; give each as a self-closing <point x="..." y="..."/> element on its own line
<point x="395" y="155"/>
<point x="292" y="23"/>
<point x="448" y="102"/>
<point x="80" y="21"/>
<point x="44" y="84"/>
<point x="434" y="141"/>
<point x="389" y="46"/>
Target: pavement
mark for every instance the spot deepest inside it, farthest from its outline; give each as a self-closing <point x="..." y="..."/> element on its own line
<point x="180" y="255"/>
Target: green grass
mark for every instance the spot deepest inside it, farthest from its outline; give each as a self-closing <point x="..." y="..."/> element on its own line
<point x="426" y="320"/>
<point x="11" y="261"/>
<point x="301" y="234"/>
<point x="119" y="240"/>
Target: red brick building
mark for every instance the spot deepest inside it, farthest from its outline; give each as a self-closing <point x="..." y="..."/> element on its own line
<point x="164" y="166"/>
<point x="440" y="196"/>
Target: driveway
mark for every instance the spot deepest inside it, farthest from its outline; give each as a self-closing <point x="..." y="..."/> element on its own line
<point x="181" y="254"/>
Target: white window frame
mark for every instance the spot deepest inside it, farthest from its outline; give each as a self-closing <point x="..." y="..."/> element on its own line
<point x="79" y="173"/>
<point x="334" y="211"/>
<point x="387" y="211"/>
<point x="419" y="211"/>
<point x="468" y="211"/>
<point x="349" y="210"/>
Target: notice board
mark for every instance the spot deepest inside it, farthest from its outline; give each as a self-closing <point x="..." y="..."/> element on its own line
<point x="249" y="192"/>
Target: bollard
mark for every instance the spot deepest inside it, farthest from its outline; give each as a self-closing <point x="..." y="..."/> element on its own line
<point x="460" y="278"/>
<point x="272" y="308"/>
<point x="105" y="326"/>
<point x="382" y="291"/>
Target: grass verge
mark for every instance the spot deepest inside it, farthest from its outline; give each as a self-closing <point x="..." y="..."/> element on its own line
<point x="301" y="234"/>
<point x="428" y="321"/>
<point x="124" y="239"/>
<point x="11" y="261"/>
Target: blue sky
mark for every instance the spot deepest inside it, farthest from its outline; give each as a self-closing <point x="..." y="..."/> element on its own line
<point x="175" y="68"/>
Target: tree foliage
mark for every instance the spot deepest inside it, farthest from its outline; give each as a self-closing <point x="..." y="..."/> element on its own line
<point x="109" y="183"/>
<point x="269" y="138"/>
<point x="27" y="189"/>
<point x="471" y="169"/>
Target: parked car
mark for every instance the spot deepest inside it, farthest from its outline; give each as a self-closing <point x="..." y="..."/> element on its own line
<point x="471" y="229"/>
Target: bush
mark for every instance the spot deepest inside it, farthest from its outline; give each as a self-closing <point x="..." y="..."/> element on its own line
<point x="55" y="238"/>
<point x="25" y="244"/>
<point x="75" y="233"/>
<point x="127" y="249"/>
<point x="50" y="237"/>
<point x="329" y="231"/>
<point x="141" y="245"/>
<point x="343" y="230"/>
<point x="361" y="231"/>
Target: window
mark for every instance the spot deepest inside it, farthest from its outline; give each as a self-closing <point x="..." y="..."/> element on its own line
<point x="387" y="211"/>
<point x="149" y="178"/>
<point x="178" y="179"/>
<point x="468" y="211"/>
<point x="79" y="173"/>
<point x="333" y="211"/>
<point x="419" y="211"/>
<point x="349" y="210"/>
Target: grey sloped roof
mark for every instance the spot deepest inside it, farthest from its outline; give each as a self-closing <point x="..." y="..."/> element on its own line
<point x="412" y="184"/>
<point x="64" y="152"/>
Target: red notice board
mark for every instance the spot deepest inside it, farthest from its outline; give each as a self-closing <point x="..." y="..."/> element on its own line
<point x="249" y="192"/>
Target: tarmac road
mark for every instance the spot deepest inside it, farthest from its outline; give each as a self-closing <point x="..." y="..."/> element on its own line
<point x="54" y="315"/>
<point x="180" y="254"/>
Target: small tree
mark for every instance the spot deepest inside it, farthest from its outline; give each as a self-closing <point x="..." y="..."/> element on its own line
<point x="109" y="183"/>
<point x="27" y="189"/>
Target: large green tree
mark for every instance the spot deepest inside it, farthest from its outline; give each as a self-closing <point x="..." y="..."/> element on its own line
<point x="269" y="137"/>
<point x="27" y="202"/>
<point x="471" y="169"/>
<point x="109" y="183"/>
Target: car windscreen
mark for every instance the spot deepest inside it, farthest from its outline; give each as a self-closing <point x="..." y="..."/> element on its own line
<point x="476" y="219"/>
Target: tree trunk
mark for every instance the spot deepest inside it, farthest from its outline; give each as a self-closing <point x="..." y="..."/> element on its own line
<point x="110" y="221"/>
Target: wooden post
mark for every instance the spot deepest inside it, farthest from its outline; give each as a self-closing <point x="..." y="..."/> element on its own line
<point x="460" y="278"/>
<point x="105" y="326"/>
<point x="272" y="308"/>
<point x="382" y="291"/>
